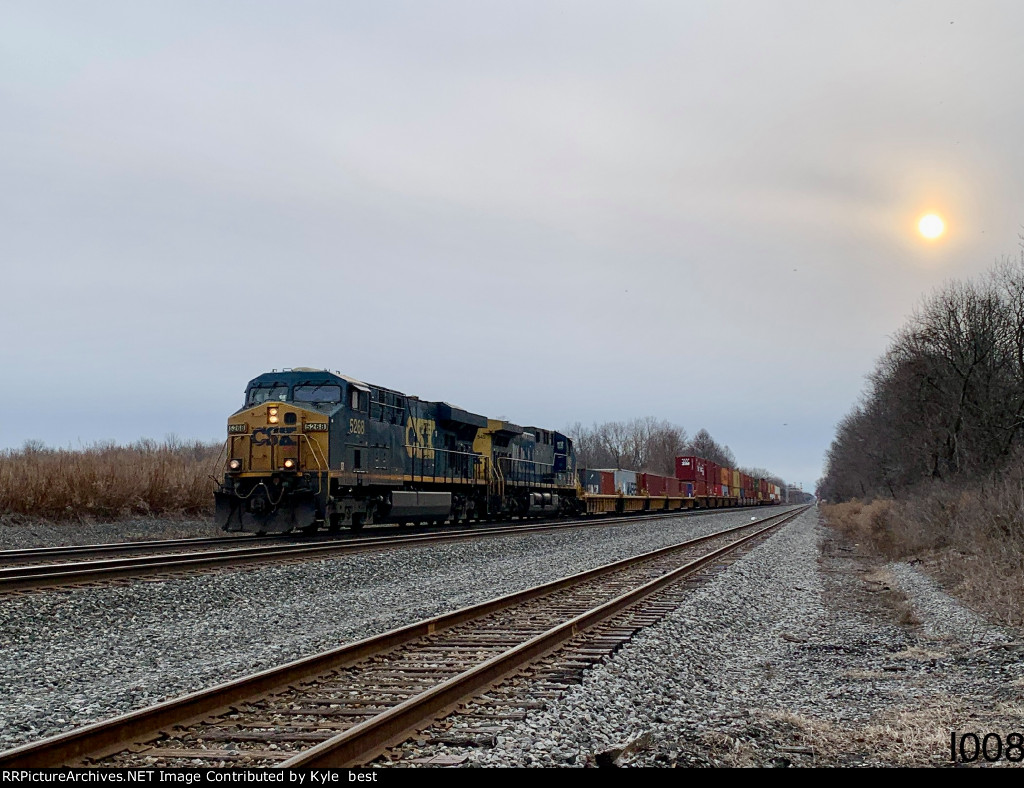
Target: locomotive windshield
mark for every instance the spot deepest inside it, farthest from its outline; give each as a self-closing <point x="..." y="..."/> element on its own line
<point x="260" y="394"/>
<point x="322" y="393"/>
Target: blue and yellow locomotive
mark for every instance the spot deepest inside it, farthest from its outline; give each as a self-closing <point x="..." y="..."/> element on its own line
<point x="312" y="447"/>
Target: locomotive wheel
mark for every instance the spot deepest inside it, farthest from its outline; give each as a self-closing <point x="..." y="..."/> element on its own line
<point x="335" y="524"/>
<point x="357" y="522"/>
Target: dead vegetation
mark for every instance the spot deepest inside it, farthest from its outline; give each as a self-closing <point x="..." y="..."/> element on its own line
<point x="917" y="736"/>
<point x="937" y="444"/>
<point x="108" y="481"/>
<point x="908" y="736"/>
<point x="971" y="540"/>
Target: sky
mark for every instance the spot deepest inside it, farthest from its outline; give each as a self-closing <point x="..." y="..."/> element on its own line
<point x="548" y="212"/>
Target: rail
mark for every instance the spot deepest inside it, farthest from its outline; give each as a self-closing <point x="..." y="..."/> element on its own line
<point x="386" y="721"/>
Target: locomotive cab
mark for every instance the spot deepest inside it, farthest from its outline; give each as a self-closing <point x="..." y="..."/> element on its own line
<point x="277" y="466"/>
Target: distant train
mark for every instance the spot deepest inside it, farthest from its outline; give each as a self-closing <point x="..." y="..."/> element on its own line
<point x="312" y="448"/>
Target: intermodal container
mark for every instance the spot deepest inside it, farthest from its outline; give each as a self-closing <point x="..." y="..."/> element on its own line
<point x="653" y="484"/>
<point x="725" y="476"/>
<point x="625" y="482"/>
<point x="590" y="480"/>
<point x="711" y="475"/>
<point x="737" y="480"/>
<point x="607" y="482"/>
<point x="700" y="488"/>
<point x="690" y="469"/>
<point x="674" y="488"/>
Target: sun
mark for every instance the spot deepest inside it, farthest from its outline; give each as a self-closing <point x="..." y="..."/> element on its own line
<point x="931" y="226"/>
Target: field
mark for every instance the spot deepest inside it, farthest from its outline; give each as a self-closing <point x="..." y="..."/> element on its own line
<point x="109" y="481"/>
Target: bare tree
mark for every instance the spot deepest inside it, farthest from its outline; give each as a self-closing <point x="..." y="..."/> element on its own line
<point x="647" y="444"/>
<point x="946" y="399"/>
<point x="703" y="445"/>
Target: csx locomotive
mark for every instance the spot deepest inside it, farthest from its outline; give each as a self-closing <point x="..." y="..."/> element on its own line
<point x="312" y="447"/>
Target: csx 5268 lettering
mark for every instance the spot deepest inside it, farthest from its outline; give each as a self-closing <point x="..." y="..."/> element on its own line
<point x="273" y="436"/>
<point x="356" y="427"/>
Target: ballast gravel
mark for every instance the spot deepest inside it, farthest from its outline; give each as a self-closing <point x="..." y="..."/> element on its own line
<point x="72" y="657"/>
<point x="798" y="654"/>
<point x="21" y="533"/>
<point x="802" y="653"/>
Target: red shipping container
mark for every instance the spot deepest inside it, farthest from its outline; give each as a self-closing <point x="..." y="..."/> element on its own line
<point x="690" y="469"/>
<point x="675" y="488"/>
<point x="607" y="482"/>
<point x="653" y="484"/>
<point x="711" y="476"/>
<point x="700" y="488"/>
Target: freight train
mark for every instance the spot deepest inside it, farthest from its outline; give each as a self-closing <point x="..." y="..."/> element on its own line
<point x="311" y="448"/>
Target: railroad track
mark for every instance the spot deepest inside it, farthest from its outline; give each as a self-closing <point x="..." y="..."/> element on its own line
<point x="35" y="555"/>
<point x="346" y="706"/>
<point x="36" y="576"/>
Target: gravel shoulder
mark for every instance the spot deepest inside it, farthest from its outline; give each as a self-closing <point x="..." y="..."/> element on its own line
<point x="802" y="653"/>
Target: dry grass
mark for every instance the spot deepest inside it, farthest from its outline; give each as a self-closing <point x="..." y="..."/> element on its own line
<point x="880" y="580"/>
<point x="899" y="737"/>
<point x="920" y="654"/>
<point x="107" y="481"/>
<point x="971" y="540"/>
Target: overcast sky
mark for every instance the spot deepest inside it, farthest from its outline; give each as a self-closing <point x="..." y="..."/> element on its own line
<point x="546" y="211"/>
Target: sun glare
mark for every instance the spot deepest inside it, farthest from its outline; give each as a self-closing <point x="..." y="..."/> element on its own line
<point x="931" y="226"/>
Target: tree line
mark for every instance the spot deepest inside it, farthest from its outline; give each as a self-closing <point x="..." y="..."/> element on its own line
<point x="650" y="445"/>
<point x="945" y="400"/>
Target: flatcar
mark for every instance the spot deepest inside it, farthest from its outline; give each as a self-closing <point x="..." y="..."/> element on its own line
<point x="311" y="448"/>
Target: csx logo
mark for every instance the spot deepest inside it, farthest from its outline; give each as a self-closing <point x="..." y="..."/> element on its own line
<point x="273" y="436"/>
<point x="419" y="438"/>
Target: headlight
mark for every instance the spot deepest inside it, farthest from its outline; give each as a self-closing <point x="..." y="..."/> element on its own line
<point x="234" y="465"/>
<point x="272" y="415"/>
<point x="235" y="428"/>
<point x="315" y="426"/>
<point x="290" y="464"/>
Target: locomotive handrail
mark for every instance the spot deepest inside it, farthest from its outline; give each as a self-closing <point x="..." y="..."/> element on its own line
<point x="532" y="476"/>
<point x="321" y="462"/>
<point x="469" y="473"/>
<point x="499" y="479"/>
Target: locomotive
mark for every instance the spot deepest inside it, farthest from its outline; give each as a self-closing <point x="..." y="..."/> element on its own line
<point x="311" y="447"/>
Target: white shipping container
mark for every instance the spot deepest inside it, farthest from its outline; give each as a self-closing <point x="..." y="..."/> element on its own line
<point x="625" y="482"/>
